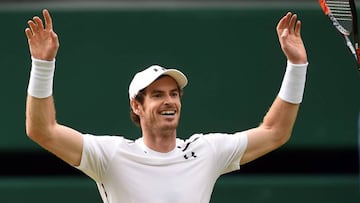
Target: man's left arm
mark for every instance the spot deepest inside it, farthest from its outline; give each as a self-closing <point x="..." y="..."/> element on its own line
<point x="277" y="125"/>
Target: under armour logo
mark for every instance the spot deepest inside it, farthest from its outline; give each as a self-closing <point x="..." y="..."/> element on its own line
<point x="156" y="68"/>
<point x="189" y="155"/>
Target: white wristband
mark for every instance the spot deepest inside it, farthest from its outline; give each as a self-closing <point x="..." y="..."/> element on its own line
<point x="292" y="87"/>
<point x="41" y="78"/>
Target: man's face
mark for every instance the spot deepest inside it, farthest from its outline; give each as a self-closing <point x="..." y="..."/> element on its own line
<point x="161" y="107"/>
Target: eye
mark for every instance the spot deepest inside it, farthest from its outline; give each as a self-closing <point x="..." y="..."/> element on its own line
<point x="156" y="95"/>
<point x="174" y="94"/>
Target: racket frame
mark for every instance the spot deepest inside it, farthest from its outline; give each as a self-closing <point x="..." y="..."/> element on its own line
<point x="352" y="46"/>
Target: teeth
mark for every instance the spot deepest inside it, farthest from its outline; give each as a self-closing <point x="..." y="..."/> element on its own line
<point x="167" y="113"/>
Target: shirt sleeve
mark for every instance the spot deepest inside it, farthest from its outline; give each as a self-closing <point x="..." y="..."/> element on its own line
<point x="228" y="150"/>
<point x="97" y="152"/>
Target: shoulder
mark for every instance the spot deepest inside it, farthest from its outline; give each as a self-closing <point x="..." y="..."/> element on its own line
<point x="105" y="140"/>
<point x="223" y="141"/>
<point x="213" y="138"/>
<point x="216" y="137"/>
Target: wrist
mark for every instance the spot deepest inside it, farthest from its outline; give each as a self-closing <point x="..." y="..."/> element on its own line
<point x="293" y="84"/>
<point x="41" y="78"/>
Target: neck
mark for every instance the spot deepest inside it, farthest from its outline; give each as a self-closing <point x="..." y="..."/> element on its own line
<point x="160" y="141"/>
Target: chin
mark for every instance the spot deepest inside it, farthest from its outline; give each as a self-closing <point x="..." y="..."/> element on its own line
<point x="170" y="126"/>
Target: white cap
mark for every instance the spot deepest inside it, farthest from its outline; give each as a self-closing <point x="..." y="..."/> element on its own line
<point x="144" y="78"/>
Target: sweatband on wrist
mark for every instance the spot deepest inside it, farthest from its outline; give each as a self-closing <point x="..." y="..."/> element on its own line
<point x="41" y="78"/>
<point x="293" y="84"/>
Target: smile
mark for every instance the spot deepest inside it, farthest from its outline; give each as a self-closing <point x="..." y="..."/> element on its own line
<point x="168" y="113"/>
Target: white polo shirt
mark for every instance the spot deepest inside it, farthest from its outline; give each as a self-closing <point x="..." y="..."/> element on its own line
<point x="127" y="171"/>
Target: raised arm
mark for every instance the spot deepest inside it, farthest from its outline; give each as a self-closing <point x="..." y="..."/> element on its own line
<point x="277" y="125"/>
<point x="41" y="124"/>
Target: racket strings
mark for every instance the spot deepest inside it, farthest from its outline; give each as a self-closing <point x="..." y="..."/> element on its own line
<point x="341" y="10"/>
<point x="342" y="14"/>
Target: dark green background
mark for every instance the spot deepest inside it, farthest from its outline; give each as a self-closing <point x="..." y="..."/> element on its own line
<point x="230" y="55"/>
<point x="253" y="189"/>
<point x="234" y="64"/>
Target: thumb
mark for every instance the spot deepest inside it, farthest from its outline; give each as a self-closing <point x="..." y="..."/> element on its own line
<point x="285" y="33"/>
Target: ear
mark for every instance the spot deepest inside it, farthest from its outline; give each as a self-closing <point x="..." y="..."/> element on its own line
<point x="135" y="106"/>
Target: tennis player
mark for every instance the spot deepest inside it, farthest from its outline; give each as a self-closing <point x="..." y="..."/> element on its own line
<point x="158" y="167"/>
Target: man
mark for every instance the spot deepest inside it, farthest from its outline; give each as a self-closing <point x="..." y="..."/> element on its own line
<point x="158" y="167"/>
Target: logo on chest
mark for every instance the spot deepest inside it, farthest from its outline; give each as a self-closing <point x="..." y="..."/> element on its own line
<point x="189" y="154"/>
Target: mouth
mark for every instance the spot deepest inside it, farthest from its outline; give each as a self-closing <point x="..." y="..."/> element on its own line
<point x="168" y="113"/>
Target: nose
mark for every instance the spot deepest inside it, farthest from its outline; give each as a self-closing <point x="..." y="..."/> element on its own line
<point x="169" y="99"/>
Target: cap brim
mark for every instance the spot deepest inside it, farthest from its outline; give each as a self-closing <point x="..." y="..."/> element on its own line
<point x="179" y="77"/>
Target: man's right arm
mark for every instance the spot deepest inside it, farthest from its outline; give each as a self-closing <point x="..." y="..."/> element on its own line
<point x="41" y="127"/>
<point x="41" y="124"/>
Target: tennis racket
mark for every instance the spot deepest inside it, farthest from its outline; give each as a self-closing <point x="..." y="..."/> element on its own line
<point x="342" y="14"/>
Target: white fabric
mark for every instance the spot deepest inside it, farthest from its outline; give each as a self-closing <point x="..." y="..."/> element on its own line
<point x="144" y="78"/>
<point x="128" y="171"/>
<point x="292" y="87"/>
<point x="41" y="78"/>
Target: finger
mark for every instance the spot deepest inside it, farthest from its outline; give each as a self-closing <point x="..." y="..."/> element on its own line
<point x="48" y="20"/>
<point x="28" y="33"/>
<point x="285" y="33"/>
<point x="38" y="23"/>
<point x="292" y="23"/>
<point x="284" y="22"/>
<point x="281" y="23"/>
<point x="33" y="26"/>
<point x="298" y="28"/>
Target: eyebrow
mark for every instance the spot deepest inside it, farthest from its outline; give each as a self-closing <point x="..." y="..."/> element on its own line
<point x="161" y="91"/>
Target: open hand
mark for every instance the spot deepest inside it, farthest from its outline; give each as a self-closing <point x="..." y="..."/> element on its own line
<point x="288" y="30"/>
<point x="43" y="41"/>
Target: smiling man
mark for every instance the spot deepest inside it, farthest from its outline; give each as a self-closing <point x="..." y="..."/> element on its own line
<point x="155" y="103"/>
<point x="158" y="167"/>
